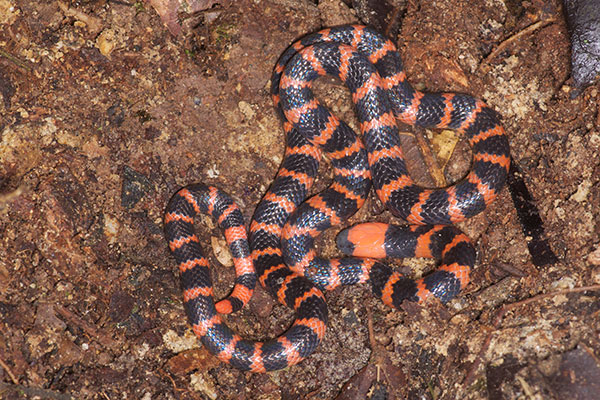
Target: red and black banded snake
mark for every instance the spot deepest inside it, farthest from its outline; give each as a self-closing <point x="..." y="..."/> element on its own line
<point x="280" y="246"/>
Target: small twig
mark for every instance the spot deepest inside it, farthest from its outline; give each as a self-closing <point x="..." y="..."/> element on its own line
<point x="510" y="269"/>
<point x="385" y="369"/>
<point x="168" y="376"/>
<point x="12" y="376"/>
<point x="122" y="3"/>
<point x="509" y="307"/>
<point x="94" y="24"/>
<point x="500" y="315"/>
<point x="471" y="373"/>
<point x="591" y="353"/>
<point x="393" y="21"/>
<point x="14" y="60"/>
<point x="311" y="395"/>
<point x="370" y="329"/>
<point x="540" y="24"/>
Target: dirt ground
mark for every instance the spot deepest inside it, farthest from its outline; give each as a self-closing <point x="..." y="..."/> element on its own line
<point x="105" y="114"/>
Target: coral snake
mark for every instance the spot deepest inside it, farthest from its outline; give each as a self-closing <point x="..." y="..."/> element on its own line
<point x="284" y="227"/>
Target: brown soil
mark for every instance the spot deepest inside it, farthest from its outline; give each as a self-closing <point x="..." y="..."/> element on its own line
<point x="93" y="145"/>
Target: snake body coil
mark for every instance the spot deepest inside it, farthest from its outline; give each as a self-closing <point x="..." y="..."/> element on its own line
<point x="285" y="224"/>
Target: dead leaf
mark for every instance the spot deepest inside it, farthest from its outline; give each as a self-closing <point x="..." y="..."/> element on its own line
<point x="359" y="385"/>
<point x="453" y="73"/>
<point x="191" y="360"/>
<point x="221" y="251"/>
<point x="444" y="144"/>
<point x="168" y="11"/>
